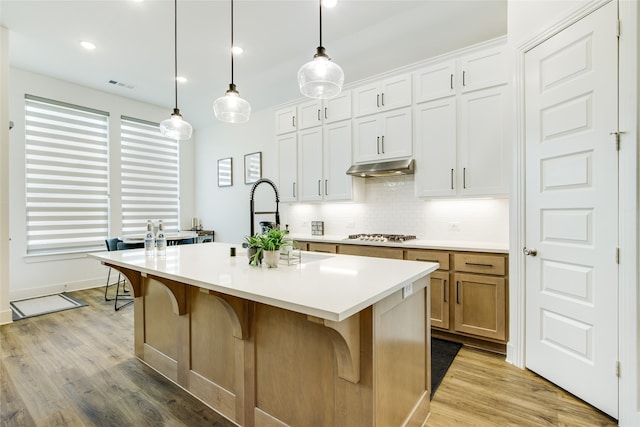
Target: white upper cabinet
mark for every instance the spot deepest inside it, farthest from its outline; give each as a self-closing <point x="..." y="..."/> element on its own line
<point x="435" y="82"/>
<point x="435" y="148"/>
<point x="483" y="144"/>
<point x="383" y="136"/>
<point x="337" y="159"/>
<point x="324" y="155"/>
<point x="484" y="69"/>
<point x="310" y="161"/>
<point x="286" y="120"/>
<point x="287" y="167"/>
<point x="461" y="128"/>
<point x="471" y="72"/>
<point x="388" y="94"/>
<point x="317" y="112"/>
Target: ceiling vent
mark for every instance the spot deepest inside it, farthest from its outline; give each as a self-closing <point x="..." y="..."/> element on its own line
<point x="121" y="84"/>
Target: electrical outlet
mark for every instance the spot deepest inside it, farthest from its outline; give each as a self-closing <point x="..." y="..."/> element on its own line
<point x="407" y="290"/>
<point x="305" y="224"/>
<point x="454" y="226"/>
<point x="350" y="224"/>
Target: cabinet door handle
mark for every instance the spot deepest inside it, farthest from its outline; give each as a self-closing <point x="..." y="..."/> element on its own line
<point x="464" y="80"/>
<point x="457" y="292"/>
<point x="452" y="179"/>
<point x="326" y="192"/>
<point x="451" y="80"/>
<point x="294" y="189"/>
<point x="293" y="121"/>
<point x="382" y="144"/>
<point x="319" y="115"/>
<point x="382" y="97"/>
<point x="319" y="193"/>
<point x="378" y="100"/>
<point x="478" y="264"/>
<point x="325" y="112"/>
<point x="464" y="178"/>
<point x="378" y="145"/>
<point x="445" y="288"/>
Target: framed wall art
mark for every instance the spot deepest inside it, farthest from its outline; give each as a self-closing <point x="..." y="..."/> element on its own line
<point x="225" y="172"/>
<point x="252" y="167"/>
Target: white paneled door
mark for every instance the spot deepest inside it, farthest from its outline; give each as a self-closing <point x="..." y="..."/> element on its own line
<point x="572" y="209"/>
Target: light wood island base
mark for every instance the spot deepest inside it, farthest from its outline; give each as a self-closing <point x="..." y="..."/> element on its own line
<point x="259" y="365"/>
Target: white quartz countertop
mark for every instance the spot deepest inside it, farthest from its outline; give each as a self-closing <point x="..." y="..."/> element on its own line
<point x="328" y="286"/>
<point x="451" y="245"/>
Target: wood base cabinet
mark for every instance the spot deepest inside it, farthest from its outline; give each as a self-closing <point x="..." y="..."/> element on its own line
<point x="468" y="297"/>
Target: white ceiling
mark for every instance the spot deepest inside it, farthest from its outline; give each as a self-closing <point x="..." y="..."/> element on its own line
<point x="135" y="43"/>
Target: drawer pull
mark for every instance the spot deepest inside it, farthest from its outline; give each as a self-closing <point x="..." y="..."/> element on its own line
<point x="478" y="264"/>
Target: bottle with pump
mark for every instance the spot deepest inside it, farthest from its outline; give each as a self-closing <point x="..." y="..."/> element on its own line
<point x="149" y="240"/>
<point x="161" y="241"/>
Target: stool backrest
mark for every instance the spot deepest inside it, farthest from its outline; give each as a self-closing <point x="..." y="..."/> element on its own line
<point x="112" y="244"/>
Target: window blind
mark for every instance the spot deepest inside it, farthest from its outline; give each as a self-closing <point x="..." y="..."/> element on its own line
<point x="67" y="169"/>
<point x="149" y="178"/>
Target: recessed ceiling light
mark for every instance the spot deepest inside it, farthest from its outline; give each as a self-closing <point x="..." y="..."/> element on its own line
<point x="237" y="50"/>
<point x="181" y="79"/>
<point x="329" y="3"/>
<point x="87" y="45"/>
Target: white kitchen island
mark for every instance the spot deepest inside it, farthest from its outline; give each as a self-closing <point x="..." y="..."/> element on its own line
<point x="336" y="340"/>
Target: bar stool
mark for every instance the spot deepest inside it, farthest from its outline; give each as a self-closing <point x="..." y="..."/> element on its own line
<point x="112" y="245"/>
<point x="116" y="244"/>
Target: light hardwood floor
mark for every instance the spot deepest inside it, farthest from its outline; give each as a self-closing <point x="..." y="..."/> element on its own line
<point x="76" y="368"/>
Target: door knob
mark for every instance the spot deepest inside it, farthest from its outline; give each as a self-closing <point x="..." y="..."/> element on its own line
<point x="532" y="251"/>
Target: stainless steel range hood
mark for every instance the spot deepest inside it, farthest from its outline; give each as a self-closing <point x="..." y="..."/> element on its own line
<point x="390" y="168"/>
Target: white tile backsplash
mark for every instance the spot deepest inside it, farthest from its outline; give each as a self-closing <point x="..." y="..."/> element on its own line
<point x="390" y="206"/>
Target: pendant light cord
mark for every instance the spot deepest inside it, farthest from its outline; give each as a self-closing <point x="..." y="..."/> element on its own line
<point x="175" y="49"/>
<point x="231" y="41"/>
<point x="321" y="23"/>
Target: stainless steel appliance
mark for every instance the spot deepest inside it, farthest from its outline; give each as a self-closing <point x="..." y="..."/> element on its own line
<point x="399" y="238"/>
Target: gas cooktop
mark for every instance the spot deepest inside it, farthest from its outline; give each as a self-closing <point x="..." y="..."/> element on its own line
<point x="381" y="237"/>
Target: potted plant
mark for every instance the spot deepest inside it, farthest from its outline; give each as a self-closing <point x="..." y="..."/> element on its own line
<point x="254" y="248"/>
<point x="272" y="241"/>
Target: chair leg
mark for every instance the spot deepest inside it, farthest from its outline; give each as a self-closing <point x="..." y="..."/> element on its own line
<point x="129" y="300"/>
<point x="106" y="287"/>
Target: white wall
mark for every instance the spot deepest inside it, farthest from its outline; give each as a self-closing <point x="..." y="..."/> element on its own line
<point x="5" y="312"/>
<point x="39" y="275"/>
<point x="529" y="17"/>
<point x="226" y="209"/>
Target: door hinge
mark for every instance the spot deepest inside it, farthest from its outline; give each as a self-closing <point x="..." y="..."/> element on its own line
<point x="618" y="368"/>
<point x="617" y="255"/>
<point x="617" y="135"/>
<point x="618" y="26"/>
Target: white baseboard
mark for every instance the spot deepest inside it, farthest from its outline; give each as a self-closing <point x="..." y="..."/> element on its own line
<point x="55" y="289"/>
<point x="5" y="317"/>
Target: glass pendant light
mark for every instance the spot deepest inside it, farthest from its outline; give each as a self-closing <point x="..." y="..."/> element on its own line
<point x="320" y="78"/>
<point x="176" y="127"/>
<point x="230" y="108"/>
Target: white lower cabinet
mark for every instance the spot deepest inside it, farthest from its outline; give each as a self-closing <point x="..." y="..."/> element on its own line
<point x="324" y="155"/>
<point x="383" y="136"/>
<point x="461" y="145"/>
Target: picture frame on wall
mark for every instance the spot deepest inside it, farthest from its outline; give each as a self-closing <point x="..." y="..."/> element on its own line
<point x="225" y="172"/>
<point x="252" y="167"/>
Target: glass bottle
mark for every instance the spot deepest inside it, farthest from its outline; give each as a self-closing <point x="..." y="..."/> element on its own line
<point x="149" y="240"/>
<point x="161" y="241"/>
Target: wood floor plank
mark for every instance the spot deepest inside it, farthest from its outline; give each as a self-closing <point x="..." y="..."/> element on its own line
<point x="77" y="368"/>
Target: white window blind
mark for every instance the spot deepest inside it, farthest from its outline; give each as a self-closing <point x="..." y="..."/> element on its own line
<point x="150" y="177"/>
<point x="67" y="169"/>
